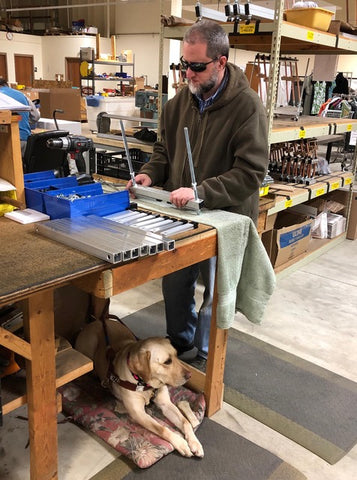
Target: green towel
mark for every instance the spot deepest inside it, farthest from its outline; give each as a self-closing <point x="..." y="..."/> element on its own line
<point x="245" y="276"/>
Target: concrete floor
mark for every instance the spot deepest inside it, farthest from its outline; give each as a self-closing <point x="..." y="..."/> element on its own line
<point x="311" y="314"/>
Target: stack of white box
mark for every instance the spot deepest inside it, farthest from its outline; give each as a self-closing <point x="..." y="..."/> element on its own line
<point x="336" y="224"/>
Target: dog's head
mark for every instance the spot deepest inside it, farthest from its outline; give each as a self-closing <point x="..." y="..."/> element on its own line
<point x="155" y="361"/>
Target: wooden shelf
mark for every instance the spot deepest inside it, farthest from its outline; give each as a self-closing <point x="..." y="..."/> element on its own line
<point x="302" y="193"/>
<point x="317" y="246"/>
<point x="70" y="364"/>
<point x="111" y="62"/>
<point x="286" y="129"/>
<point x="295" y="39"/>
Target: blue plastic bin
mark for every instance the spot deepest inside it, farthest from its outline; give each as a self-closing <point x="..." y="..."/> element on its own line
<point x="98" y="203"/>
<point x="34" y="190"/>
<point x="36" y="176"/>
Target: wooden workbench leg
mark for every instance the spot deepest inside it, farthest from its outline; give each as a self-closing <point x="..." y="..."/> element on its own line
<point x="214" y="385"/>
<point x="41" y="386"/>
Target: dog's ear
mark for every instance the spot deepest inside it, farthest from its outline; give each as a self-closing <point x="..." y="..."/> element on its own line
<point x="140" y="364"/>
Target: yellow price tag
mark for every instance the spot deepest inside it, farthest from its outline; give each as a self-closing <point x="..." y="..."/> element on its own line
<point x="302" y="133"/>
<point x="348" y="181"/>
<point x="288" y="203"/>
<point x="334" y="185"/>
<point x="349" y="127"/>
<point x="310" y="35"/>
<point x="247" y="29"/>
<point x="320" y="191"/>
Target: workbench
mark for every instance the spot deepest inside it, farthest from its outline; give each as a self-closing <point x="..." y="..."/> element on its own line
<point x="32" y="268"/>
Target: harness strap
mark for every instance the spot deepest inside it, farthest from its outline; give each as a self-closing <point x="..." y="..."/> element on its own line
<point x="140" y="386"/>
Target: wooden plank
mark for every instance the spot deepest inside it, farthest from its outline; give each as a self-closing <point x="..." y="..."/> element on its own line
<point x="11" y="163"/>
<point x="197" y="381"/>
<point x="41" y="386"/>
<point x="217" y="350"/>
<point x="5" y="117"/>
<point x="14" y="343"/>
<point x="130" y="275"/>
<point x="70" y="364"/>
<point x="149" y="268"/>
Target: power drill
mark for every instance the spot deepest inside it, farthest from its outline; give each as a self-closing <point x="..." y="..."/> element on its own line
<point x="75" y="145"/>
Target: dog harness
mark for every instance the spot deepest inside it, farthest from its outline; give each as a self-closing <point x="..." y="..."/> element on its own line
<point x="140" y="385"/>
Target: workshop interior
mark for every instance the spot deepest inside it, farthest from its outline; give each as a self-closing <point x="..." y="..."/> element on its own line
<point x="277" y="399"/>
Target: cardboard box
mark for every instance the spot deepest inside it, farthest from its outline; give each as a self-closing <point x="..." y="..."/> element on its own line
<point x="74" y="128"/>
<point x="342" y="195"/>
<point x="352" y="222"/>
<point x="289" y="238"/>
<point x="336" y="224"/>
<point x="66" y="99"/>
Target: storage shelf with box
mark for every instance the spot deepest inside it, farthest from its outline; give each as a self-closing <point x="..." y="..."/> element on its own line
<point x="292" y="39"/>
<point x="91" y="72"/>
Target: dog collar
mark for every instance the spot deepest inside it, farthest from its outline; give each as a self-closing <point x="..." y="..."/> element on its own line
<point x="139" y="386"/>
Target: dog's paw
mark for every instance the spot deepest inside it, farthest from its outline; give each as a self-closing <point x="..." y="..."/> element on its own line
<point x="196" y="448"/>
<point x="180" y="444"/>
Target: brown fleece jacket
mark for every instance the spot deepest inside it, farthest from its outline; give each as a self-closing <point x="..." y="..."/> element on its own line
<point x="229" y="146"/>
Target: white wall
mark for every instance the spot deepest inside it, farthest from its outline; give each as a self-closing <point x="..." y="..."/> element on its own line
<point x="347" y="63"/>
<point x="57" y="48"/>
<point x="24" y="45"/>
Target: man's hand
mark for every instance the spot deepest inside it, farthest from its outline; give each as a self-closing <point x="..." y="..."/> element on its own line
<point x="141" y="179"/>
<point x="181" y="196"/>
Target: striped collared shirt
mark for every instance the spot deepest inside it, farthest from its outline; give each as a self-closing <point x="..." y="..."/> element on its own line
<point x="203" y="104"/>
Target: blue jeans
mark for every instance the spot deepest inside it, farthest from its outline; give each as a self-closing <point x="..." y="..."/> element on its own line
<point x="184" y="325"/>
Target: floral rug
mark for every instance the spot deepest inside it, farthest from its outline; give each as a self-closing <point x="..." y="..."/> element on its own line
<point x="96" y="409"/>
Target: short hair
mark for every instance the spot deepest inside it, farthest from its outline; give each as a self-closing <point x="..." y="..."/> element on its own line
<point x="3" y="82"/>
<point x="211" y="33"/>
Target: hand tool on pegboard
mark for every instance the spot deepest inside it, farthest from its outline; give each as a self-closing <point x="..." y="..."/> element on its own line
<point x="174" y="67"/>
<point x="259" y="77"/>
<point x="295" y="75"/>
<point x="296" y="118"/>
<point x="286" y="78"/>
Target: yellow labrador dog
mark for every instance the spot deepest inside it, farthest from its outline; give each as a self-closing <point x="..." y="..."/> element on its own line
<point x="139" y="371"/>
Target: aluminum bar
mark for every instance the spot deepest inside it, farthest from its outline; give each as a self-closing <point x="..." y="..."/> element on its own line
<point x="178" y="229"/>
<point x="129" y="243"/>
<point x="163" y="222"/>
<point x="159" y="223"/>
<point x="67" y="238"/>
<point x="256" y="10"/>
<point x="131" y="169"/>
<point x="190" y="162"/>
<point x="163" y="196"/>
<point x="152" y="239"/>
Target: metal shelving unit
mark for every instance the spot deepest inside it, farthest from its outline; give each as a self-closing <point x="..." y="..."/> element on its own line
<point x="89" y="81"/>
<point x="280" y="37"/>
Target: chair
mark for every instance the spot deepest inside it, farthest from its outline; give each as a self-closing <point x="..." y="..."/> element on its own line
<point x="38" y="156"/>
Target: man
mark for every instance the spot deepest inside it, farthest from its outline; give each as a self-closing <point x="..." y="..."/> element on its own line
<point x="27" y="117"/>
<point x="227" y="127"/>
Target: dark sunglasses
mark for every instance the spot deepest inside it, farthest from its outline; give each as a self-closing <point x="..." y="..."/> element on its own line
<point x="195" y="66"/>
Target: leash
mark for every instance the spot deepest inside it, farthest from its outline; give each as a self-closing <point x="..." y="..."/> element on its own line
<point x="140" y="384"/>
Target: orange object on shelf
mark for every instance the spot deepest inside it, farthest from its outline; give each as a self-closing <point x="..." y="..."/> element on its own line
<point x="12" y="366"/>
